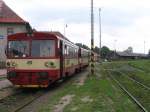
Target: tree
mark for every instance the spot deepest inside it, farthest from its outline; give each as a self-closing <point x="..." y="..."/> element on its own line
<point x="82" y="45"/>
<point x="149" y="53"/>
<point x="105" y="51"/>
<point x="129" y="50"/>
<point x="79" y="44"/>
<point x="85" y="47"/>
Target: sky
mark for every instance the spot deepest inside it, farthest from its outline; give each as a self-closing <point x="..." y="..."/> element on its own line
<point x="124" y="22"/>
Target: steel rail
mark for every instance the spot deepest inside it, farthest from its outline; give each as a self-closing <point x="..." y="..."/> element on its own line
<point x="148" y="88"/>
<point x="134" y="80"/>
<point x="139" y="68"/>
<point x="2" y="89"/>
<point x="28" y="103"/>
<point x="129" y="94"/>
<point x="32" y="100"/>
<point x="3" y="77"/>
<point x="14" y="93"/>
<point x="40" y="94"/>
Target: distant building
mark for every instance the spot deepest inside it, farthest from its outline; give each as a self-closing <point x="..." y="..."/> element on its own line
<point x="10" y="23"/>
<point x="126" y="55"/>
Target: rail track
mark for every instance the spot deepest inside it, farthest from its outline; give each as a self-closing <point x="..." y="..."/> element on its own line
<point x="48" y="90"/>
<point x="3" y="89"/>
<point x="29" y="102"/>
<point x="146" y="87"/>
<point x="27" y="98"/>
<point x="38" y="95"/>
<point x="139" y="68"/>
<point x="2" y="77"/>
<point x="127" y="92"/>
<point x="23" y="97"/>
<point x="8" y="91"/>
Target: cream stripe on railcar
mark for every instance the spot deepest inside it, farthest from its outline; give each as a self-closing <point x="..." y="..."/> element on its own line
<point x="35" y="64"/>
<point x="71" y="62"/>
<point x="85" y="60"/>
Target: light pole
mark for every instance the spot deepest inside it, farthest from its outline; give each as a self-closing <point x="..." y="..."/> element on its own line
<point x="65" y="26"/>
<point x="100" y="34"/>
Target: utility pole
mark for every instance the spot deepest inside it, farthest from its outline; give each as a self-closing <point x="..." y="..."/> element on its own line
<point x="100" y="34"/>
<point x="144" y="47"/>
<point x="92" y="39"/>
<point x="115" y="45"/>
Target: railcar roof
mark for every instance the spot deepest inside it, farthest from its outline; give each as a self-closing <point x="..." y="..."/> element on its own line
<point x="55" y="33"/>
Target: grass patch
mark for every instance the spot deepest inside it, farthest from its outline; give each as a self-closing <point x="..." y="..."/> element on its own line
<point x="104" y="96"/>
<point x="138" y="70"/>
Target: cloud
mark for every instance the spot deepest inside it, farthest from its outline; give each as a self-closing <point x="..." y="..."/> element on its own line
<point x="132" y="35"/>
<point x="126" y="21"/>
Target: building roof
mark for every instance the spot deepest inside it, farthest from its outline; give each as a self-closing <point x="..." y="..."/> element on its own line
<point x="128" y="54"/>
<point x="7" y="15"/>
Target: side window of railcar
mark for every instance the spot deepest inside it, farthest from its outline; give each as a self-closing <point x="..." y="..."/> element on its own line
<point x="43" y="48"/>
<point x="66" y="50"/>
<point x="75" y="52"/>
<point x="70" y="52"/>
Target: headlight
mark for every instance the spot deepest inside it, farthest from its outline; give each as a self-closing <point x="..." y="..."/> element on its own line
<point x="11" y="64"/>
<point x="46" y="64"/>
<point x="14" y="64"/>
<point x="50" y="64"/>
<point x="8" y="64"/>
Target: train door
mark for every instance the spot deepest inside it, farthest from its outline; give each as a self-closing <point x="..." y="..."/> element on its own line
<point x="61" y="59"/>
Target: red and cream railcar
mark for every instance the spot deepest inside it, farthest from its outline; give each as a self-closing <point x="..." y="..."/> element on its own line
<point x="84" y="56"/>
<point x="41" y="58"/>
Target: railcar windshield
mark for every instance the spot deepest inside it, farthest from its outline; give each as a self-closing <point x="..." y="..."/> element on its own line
<point x="43" y="48"/>
<point x="18" y="49"/>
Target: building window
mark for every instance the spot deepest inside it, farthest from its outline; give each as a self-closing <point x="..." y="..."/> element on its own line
<point x="10" y="31"/>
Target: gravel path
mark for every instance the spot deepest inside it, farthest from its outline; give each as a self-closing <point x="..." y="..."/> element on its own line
<point x="5" y="83"/>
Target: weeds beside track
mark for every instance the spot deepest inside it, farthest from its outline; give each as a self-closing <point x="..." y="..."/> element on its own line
<point x="133" y="81"/>
<point x="128" y="93"/>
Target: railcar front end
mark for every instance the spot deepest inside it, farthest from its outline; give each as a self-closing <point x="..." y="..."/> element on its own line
<point x="32" y="60"/>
